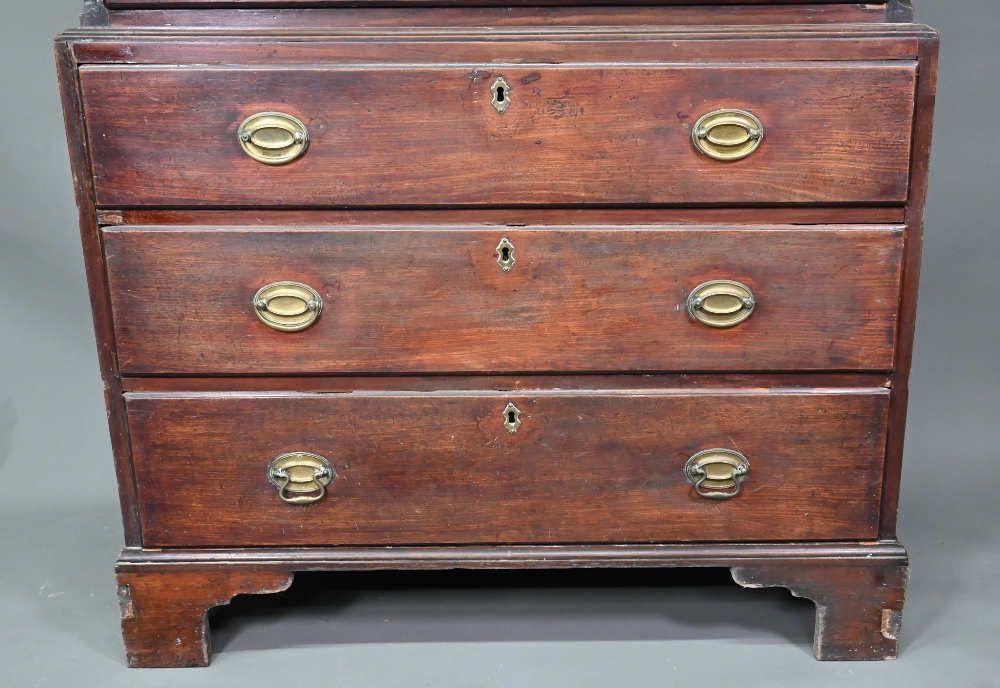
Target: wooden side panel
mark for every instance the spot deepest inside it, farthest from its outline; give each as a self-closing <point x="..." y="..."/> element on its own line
<point x="435" y="300"/>
<point x="97" y="286"/>
<point x="923" y="129"/>
<point x="396" y="135"/>
<point x="442" y="468"/>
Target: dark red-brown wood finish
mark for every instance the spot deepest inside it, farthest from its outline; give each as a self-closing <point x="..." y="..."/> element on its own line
<point x="440" y="467"/>
<point x="394" y="214"/>
<point x="611" y="134"/>
<point x="580" y="299"/>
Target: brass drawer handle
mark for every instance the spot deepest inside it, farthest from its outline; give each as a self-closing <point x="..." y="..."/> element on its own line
<point x="728" y="134"/>
<point x="717" y="473"/>
<point x="721" y="303"/>
<point x="301" y="477"/>
<point x="273" y="138"/>
<point x="288" y="306"/>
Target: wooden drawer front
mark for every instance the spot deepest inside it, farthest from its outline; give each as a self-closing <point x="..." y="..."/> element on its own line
<point x="442" y="468"/>
<point x="835" y="132"/>
<point x="436" y="300"/>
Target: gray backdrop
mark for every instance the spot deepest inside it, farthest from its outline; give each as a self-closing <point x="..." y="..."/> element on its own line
<point x="60" y="529"/>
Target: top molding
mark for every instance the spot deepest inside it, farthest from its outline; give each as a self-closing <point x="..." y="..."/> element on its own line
<point x="167" y="4"/>
<point x="102" y="13"/>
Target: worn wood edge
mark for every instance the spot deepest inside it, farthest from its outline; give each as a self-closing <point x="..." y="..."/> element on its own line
<point x="912" y="254"/>
<point x="95" y="14"/>
<point x="795" y="216"/>
<point x="500" y="383"/>
<point x="511" y="556"/>
<point x="539" y="393"/>
<point x="734" y="32"/>
<point x="899" y="11"/>
<point x="891" y="229"/>
<point x="579" y="15"/>
<point x="121" y="4"/>
<point x="96" y="271"/>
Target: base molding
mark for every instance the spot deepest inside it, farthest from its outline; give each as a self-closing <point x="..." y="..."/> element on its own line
<point x="165" y="595"/>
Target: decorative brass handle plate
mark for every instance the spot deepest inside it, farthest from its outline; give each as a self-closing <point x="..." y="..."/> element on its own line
<point x="301" y="477"/>
<point x="288" y="306"/>
<point x="717" y="473"/>
<point x="273" y="138"/>
<point x="721" y="303"/>
<point x="728" y="134"/>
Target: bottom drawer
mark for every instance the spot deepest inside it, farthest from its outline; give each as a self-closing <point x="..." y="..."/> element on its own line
<point x="444" y="467"/>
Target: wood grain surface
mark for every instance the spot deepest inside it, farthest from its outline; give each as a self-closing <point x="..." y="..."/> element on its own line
<point x="426" y="299"/>
<point x="428" y="135"/>
<point x="442" y="468"/>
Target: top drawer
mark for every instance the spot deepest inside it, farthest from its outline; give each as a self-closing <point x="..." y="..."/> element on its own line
<point x="833" y="132"/>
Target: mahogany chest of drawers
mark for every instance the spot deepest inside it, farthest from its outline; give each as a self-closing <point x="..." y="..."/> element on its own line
<point x="435" y="285"/>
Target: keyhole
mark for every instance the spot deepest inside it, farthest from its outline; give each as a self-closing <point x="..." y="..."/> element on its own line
<point x="505" y="254"/>
<point x="512" y="418"/>
<point x="501" y="94"/>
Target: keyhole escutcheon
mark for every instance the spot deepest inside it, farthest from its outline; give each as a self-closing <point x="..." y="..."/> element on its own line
<point x="501" y="94"/>
<point x="511" y="418"/>
<point x="505" y="254"/>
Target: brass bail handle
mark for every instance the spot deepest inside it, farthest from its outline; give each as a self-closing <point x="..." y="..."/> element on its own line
<point x="273" y="138"/>
<point x="721" y="303"/>
<point x="288" y="306"/>
<point x="301" y="477"/>
<point x="717" y="473"/>
<point x="728" y="135"/>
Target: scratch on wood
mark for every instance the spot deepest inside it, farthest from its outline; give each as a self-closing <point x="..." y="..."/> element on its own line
<point x="125" y="602"/>
<point x="892" y="621"/>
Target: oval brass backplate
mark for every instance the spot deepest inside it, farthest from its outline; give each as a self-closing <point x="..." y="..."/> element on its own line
<point x="717" y="473"/>
<point x="301" y="477"/>
<point x="728" y="134"/>
<point x="721" y="303"/>
<point x="273" y="138"/>
<point x="288" y="306"/>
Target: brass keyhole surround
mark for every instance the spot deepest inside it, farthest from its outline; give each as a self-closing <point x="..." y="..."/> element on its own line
<point x="505" y="254"/>
<point x="501" y="94"/>
<point x="511" y="418"/>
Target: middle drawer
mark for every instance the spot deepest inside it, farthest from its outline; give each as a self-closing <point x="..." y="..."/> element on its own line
<point x="499" y="299"/>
